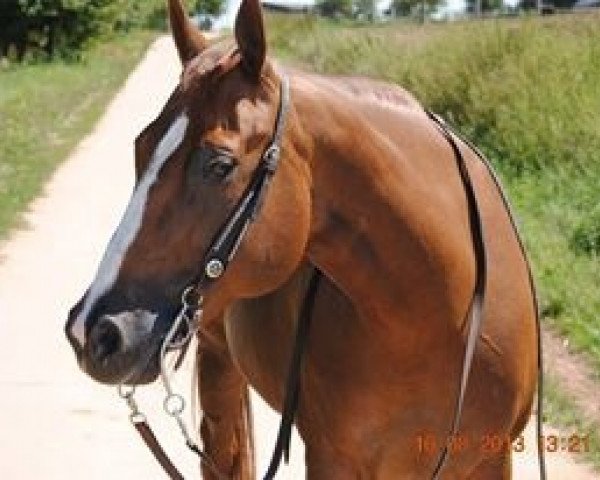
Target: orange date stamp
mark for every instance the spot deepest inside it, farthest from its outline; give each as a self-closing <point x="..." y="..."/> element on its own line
<point x="430" y="444"/>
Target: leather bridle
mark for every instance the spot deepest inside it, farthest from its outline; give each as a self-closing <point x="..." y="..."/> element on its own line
<point x="216" y="260"/>
<point x="226" y="243"/>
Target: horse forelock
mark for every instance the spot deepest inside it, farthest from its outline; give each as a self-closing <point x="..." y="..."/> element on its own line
<point x="215" y="61"/>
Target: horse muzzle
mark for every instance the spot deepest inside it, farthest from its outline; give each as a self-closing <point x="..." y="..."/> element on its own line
<point x="123" y="348"/>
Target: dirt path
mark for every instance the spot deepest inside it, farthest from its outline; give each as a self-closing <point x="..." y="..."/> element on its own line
<point x="573" y="373"/>
<point x="56" y="423"/>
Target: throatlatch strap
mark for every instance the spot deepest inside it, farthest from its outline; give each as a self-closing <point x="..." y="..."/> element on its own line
<point x="475" y="312"/>
<point x="292" y="388"/>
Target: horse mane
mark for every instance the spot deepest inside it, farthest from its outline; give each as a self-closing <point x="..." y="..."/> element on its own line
<point x="362" y="88"/>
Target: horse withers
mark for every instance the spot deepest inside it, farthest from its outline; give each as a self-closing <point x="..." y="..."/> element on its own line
<point x="367" y="191"/>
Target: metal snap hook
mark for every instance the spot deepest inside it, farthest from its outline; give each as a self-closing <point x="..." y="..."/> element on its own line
<point x="174" y="404"/>
<point x="125" y="391"/>
<point x="186" y="300"/>
<point x="137" y="417"/>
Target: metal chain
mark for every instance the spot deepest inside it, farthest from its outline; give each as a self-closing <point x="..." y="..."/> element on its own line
<point x="126" y="393"/>
<point x="174" y="404"/>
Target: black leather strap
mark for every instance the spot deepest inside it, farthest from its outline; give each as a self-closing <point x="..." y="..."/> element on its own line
<point x="292" y="387"/>
<point x="507" y="205"/>
<point x="475" y="312"/>
<point x="228" y="239"/>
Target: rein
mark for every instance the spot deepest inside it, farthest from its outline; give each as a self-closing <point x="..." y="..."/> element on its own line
<point x="475" y="312"/>
<point x="511" y="216"/>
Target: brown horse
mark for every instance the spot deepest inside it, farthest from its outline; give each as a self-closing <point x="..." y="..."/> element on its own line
<point x="368" y="192"/>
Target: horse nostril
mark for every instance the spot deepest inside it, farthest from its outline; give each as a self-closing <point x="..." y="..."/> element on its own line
<point x="105" y="340"/>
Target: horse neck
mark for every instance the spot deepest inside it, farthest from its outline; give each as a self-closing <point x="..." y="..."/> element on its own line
<point x="379" y="216"/>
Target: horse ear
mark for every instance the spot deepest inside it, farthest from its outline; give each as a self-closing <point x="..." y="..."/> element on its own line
<point x="188" y="39"/>
<point x="250" y="37"/>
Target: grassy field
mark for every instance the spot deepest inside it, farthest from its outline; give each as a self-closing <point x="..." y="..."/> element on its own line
<point x="527" y="91"/>
<point x="46" y="108"/>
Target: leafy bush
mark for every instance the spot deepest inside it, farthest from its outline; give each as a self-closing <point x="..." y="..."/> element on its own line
<point x="586" y="236"/>
<point x="66" y="26"/>
<point x="126" y="14"/>
<point x="335" y="8"/>
<point x="210" y="7"/>
<point x="47" y="25"/>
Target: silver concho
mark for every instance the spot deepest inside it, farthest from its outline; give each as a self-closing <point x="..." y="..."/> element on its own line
<point x="214" y="268"/>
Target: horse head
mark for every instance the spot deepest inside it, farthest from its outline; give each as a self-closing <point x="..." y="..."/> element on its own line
<point x="193" y="165"/>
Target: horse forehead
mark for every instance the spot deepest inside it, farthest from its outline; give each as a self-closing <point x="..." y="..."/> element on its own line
<point x="207" y="61"/>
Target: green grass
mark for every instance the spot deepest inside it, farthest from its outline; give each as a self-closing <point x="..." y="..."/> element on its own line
<point x="527" y="91"/>
<point x="46" y="108"/>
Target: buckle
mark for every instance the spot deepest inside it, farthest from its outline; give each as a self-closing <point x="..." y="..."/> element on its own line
<point x="190" y="299"/>
<point x="271" y="157"/>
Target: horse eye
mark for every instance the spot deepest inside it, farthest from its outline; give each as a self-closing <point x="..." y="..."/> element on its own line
<point x="218" y="167"/>
<point x="211" y="165"/>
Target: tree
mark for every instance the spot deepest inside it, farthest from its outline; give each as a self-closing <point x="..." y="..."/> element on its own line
<point x="45" y="25"/>
<point x="209" y="7"/>
<point x="66" y="26"/>
<point x="532" y="4"/>
<point x="416" y="8"/>
<point x="335" y="8"/>
<point x="403" y="8"/>
<point x="365" y="9"/>
<point x="485" y="5"/>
